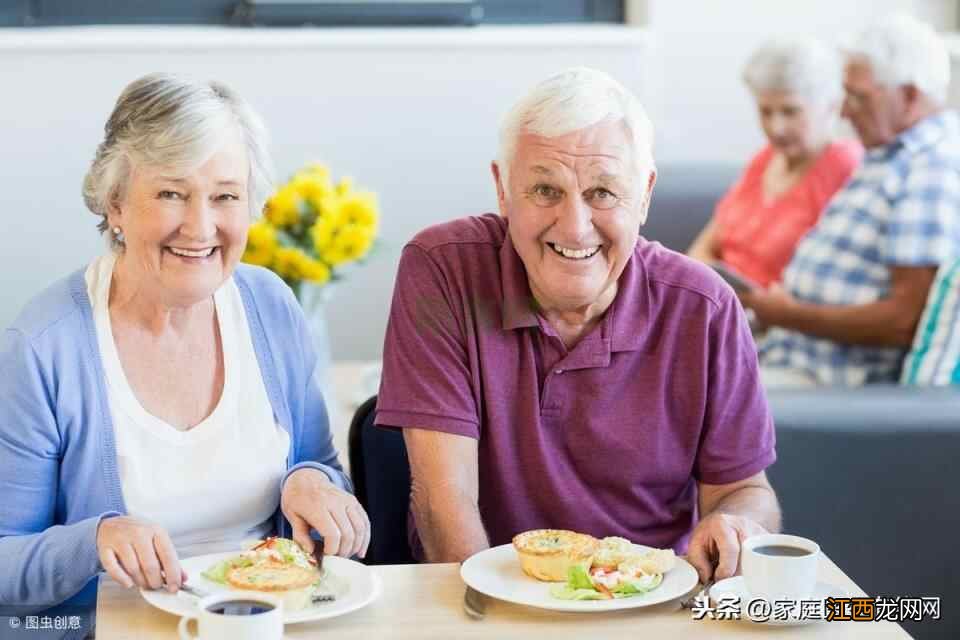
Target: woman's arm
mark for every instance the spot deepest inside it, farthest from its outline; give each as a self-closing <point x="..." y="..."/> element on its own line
<point x="706" y="247"/>
<point x="41" y="563"/>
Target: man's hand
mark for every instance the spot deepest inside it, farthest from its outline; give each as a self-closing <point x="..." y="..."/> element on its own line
<point x="770" y="305"/>
<point x="309" y="499"/>
<point x="716" y="542"/>
<point x="135" y="552"/>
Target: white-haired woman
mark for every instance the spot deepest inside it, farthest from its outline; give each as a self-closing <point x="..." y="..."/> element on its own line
<point x="779" y="197"/>
<point x="163" y="401"/>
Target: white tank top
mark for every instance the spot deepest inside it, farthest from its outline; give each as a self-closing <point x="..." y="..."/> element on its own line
<point x="217" y="484"/>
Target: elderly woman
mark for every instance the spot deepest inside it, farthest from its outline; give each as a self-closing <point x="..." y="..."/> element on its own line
<point x="163" y="400"/>
<point x="758" y="223"/>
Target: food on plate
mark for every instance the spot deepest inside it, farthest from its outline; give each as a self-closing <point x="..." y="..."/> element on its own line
<point x="293" y="584"/>
<point x="639" y="571"/>
<point x="591" y="569"/>
<point x="612" y="551"/>
<point x="550" y="554"/>
<point x="278" y="566"/>
<point x="650" y="562"/>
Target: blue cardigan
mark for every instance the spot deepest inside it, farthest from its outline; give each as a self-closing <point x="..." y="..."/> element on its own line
<point x="58" y="463"/>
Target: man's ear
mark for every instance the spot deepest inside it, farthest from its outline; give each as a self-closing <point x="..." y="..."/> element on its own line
<point x="501" y="194"/>
<point x="912" y="100"/>
<point x="647" y="196"/>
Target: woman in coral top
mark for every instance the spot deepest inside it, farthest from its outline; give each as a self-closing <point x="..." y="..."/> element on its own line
<point x="759" y="221"/>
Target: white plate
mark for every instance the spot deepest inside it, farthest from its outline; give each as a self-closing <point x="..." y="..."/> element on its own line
<point x="735" y="587"/>
<point x="363" y="587"/>
<point x="496" y="572"/>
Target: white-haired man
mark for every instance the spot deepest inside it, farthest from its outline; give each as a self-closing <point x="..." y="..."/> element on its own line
<point x="855" y="289"/>
<point x="552" y="369"/>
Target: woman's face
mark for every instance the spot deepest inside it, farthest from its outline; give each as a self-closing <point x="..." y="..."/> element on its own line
<point x="792" y="126"/>
<point x="184" y="234"/>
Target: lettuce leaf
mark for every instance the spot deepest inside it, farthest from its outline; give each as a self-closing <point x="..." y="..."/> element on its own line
<point x="579" y="578"/>
<point x="637" y="586"/>
<point x="565" y="592"/>
<point x="218" y="572"/>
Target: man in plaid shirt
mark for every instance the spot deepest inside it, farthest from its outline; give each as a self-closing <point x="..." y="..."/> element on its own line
<point x="854" y="291"/>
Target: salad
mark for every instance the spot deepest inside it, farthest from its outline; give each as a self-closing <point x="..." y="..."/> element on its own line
<point x="281" y="567"/>
<point x="282" y="551"/>
<point x="600" y="584"/>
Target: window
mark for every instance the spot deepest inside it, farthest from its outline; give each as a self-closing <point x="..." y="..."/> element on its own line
<point x="301" y="12"/>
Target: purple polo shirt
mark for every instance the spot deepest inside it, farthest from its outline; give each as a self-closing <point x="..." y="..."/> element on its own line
<point x="607" y="438"/>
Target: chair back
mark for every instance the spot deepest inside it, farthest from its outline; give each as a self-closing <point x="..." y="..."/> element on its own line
<point x="381" y="482"/>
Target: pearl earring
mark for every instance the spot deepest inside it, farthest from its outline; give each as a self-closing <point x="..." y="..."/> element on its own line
<point x="116" y="231"/>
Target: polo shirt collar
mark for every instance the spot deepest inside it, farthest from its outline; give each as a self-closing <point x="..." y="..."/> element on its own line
<point x="518" y="310"/>
<point x="629" y="313"/>
<point x="920" y="136"/>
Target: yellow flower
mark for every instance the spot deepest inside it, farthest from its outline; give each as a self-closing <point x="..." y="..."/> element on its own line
<point x="345" y="186"/>
<point x="323" y="230"/>
<point x="315" y="271"/>
<point x="360" y="209"/>
<point x="351" y="242"/>
<point x="325" y="204"/>
<point x="287" y="263"/>
<point x="311" y="186"/>
<point x="283" y="208"/>
<point x="261" y="244"/>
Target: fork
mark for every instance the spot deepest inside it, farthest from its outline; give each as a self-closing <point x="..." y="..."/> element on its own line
<point x="704" y="590"/>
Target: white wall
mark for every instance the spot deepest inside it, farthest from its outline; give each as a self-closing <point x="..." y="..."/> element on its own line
<point x="409" y="113"/>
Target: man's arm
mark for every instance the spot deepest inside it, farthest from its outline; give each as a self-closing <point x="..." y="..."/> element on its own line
<point x="751" y="498"/>
<point x="729" y="514"/>
<point x="445" y="494"/>
<point x="890" y="322"/>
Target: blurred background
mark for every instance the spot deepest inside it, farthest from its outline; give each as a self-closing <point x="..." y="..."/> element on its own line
<point x="407" y="104"/>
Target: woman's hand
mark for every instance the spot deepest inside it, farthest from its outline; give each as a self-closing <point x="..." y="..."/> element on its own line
<point x="309" y="499"/>
<point x="136" y="552"/>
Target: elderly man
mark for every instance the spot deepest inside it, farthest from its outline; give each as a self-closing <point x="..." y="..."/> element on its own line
<point x="552" y="369"/>
<point x="855" y="289"/>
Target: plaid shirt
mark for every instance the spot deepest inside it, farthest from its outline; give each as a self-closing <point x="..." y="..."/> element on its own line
<point x="900" y="208"/>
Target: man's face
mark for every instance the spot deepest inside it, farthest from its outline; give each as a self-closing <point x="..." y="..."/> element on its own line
<point x="876" y="112"/>
<point x="575" y="206"/>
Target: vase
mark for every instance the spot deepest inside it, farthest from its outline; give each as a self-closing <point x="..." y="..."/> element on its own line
<point x="314" y="299"/>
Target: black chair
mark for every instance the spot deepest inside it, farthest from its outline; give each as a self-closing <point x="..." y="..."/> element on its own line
<point x="381" y="482"/>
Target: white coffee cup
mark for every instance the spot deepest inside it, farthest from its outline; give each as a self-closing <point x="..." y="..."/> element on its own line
<point x="236" y="616"/>
<point x="776" y="566"/>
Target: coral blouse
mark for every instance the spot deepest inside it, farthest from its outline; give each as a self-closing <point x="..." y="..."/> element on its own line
<point x="757" y="238"/>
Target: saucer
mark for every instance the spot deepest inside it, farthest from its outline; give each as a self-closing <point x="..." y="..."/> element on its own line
<point x="736" y="587"/>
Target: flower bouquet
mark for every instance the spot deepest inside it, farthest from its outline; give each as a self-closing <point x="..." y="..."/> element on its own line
<point x="313" y="228"/>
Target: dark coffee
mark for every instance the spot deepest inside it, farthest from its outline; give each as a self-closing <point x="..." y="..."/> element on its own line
<point x="781" y="550"/>
<point x="240" y="608"/>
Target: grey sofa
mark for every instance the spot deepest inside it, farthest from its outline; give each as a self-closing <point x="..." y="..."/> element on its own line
<point x="865" y="472"/>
